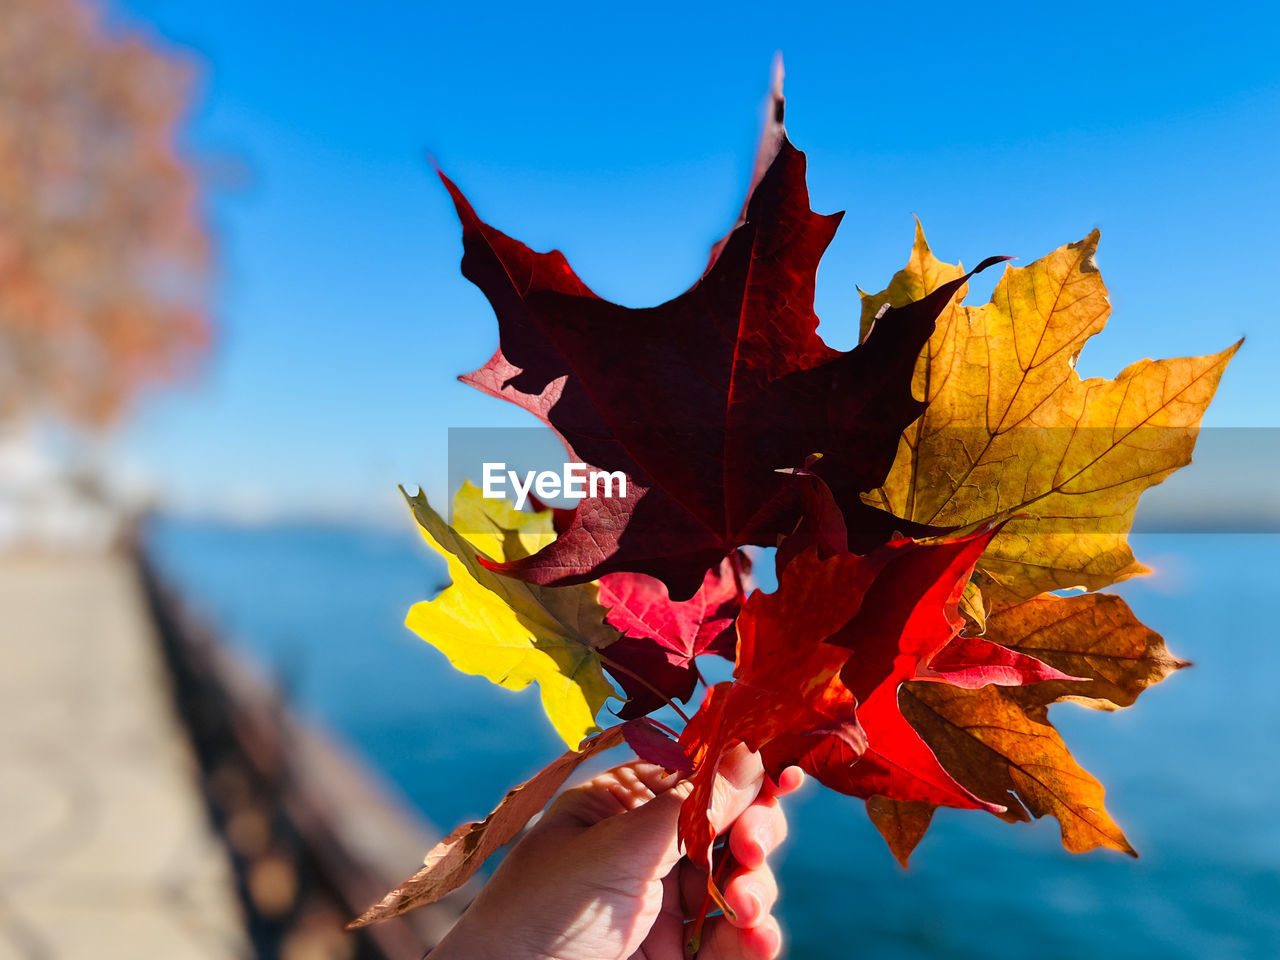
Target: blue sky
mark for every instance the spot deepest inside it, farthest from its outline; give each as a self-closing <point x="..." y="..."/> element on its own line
<point x="625" y="137"/>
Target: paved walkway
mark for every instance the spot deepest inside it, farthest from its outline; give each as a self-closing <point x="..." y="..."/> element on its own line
<point x="105" y="851"/>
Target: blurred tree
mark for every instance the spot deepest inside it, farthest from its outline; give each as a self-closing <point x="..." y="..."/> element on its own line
<point x="103" y="255"/>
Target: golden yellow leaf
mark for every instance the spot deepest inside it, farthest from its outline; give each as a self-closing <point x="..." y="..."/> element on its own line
<point x="496" y="528"/>
<point x="508" y="631"/>
<point x="1011" y="429"/>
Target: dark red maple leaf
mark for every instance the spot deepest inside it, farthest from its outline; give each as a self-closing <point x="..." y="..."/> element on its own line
<point x="654" y="660"/>
<point x="656" y="744"/>
<point x="702" y="400"/>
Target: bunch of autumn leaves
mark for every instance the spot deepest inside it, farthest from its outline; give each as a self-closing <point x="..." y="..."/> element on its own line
<point x="927" y="491"/>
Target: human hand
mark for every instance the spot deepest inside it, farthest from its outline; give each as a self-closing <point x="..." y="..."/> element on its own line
<point x="601" y="877"/>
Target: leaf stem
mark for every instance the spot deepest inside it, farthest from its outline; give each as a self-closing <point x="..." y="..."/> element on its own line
<point x="714" y="897"/>
<point x="663" y="726"/>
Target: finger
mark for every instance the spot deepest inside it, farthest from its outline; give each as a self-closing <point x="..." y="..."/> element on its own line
<point x="789" y="781"/>
<point x="648" y="830"/>
<point x="739" y="778"/>
<point x="751" y="894"/>
<point x="721" y="940"/>
<point x="757" y="833"/>
<point x="622" y="788"/>
<point x="645" y="838"/>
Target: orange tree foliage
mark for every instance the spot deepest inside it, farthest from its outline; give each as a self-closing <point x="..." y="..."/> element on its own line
<point x="103" y="257"/>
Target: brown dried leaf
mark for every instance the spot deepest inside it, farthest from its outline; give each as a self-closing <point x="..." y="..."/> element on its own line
<point x="902" y="823"/>
<point x="1009" y="755"/>
<point x="456" y="858"/>
<point x="1094" y="635"/>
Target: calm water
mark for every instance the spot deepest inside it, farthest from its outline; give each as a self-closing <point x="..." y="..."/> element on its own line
<point x="1191" y="770"/>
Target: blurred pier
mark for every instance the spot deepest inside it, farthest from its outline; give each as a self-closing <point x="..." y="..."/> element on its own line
<point x="158" y="800"/>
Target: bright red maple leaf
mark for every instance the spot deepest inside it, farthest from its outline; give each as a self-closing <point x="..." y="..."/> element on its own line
<point x="820" y="662"/>
<point x="908" y="628"/>
<point x="703" y="400"/>
<point x="786" y="686"/>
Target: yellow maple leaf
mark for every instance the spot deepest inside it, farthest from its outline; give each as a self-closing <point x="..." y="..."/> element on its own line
<point x="496" y="528"/>
<point x="1011" y="428"/>
<point x="508" y="631"/>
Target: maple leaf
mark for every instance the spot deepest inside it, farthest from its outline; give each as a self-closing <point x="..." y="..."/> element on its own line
<point x="999" y="742"/>
<point x="1094" y="636"/>
<point x="990" y="743"/>
<point x="456" y="858"/>
<point x="820" y="663"/>
<point x="786" y="684"/>
<point x="908" y="629"/>
<point x="701" y="401"/>
<point x="654" y="660"/>
<point x="1011" y="428"/>
<point x="508" y="631"/>
<point x="656" y="744"/>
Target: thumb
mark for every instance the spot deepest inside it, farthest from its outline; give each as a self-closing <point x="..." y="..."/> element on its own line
<point x="648" y="833"/>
